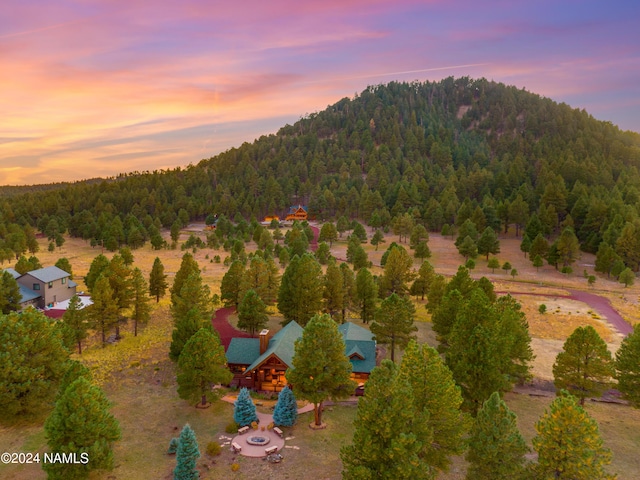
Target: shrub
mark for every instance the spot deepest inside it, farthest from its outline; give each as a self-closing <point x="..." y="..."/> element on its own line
<point x="542" y="309"/>
<point x="232" y="427"/>
<point x="254" y="425"/>
<point x="235" y="467"/>
<point x="173" y="446"/>
<point x="213" y="449"/>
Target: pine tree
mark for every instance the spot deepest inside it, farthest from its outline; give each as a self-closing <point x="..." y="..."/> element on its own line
<point x="468" y="248"/>
<point x="389" y="434"/>
<point x="493" y="263"/>
<point x="328" y="233"/>
<point x="627" y="277"/>
<point x="496" y="447"/>
<point x="434" y="390"/>
<point x="488" y="242"/>
<point x="120" y="279"/>
<point x="74" y="371"/>
<point x="64" y="264"/>
<point x="141" y="310"/>
<point x="193" y="296"/>
<point x="157" y="280"/>
<point x="81" y="423"/>
<point x="568" y="443"/>
<point x="584" y="367"/>
<point x="103" y="313"/>
<point x="285" y="412"/>
<point x="568" y="247"/>
<point x="537" y="262"/>
<point x="231" y="285"/>
<point x="397" y="272"/>
<point x="333" y="292"/>
<point x="300" y="295"/>
<point x="244" y="411"/>
<point x="201" y="365"/>
<point x="627" y="365"/>
<point x="32" y="362"/>
<point x="97" y="268"/>
<point x="188" y="266"/>
<point x="320" y="369"/>
<point x="539" y="246"/>
<point x="75" y="322"/>
<point x="10" y="295"/>
<point x="605" y="258"/>
<point x="252" y="315"/>
<point x="377" y="239"/>
<point x="187" y="455"/>
<point x="393" y="322"/>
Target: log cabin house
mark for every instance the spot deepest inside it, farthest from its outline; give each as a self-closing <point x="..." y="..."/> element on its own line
<point x="261" y="363"/>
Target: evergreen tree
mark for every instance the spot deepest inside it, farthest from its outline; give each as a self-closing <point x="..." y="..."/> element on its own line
<point x="553" y="256"/>
<point x="157" y="280"/>
<point x="389" y="434"/>
<point x="468" y="248"/>
<point x="377" y="239"/>
<point x="74" y="371"/>
<point x="10" y="295"/>
<point x="140" y="308"/>
<point x="420" y="286"/>
<point x="568" y="247"/>
<point x="493" y="263"/>
<point x="184" y="327"/>
<point x="467" y="229"/>
<point x="568" y="443"/>
<point x="300" y="295"/>
<point x="422" y="251"/>
<point x="320" y="369"/>
<point x="64" y="264"/>
<point x="349" y="293"/>
<point x="496" y="447"/>
<point x="393" y="322"/>
<point x="397" y="273"/>
<point x="333" y="292"/>
<point x="32" y="362"/>
<point x="628" y="245"/>
<point x="103" y="313"/>
<point x="97" y="268"/>
<point x="81" y="423"/>
<point x="627" y="277"/>
<point x="120" y="279"/>
<point x="539" y="246"/>
<point x="584" y="366"/>
<point x="605" y="258"/>
<point x="193" y="296"/>
<point x="537" y="262"/>
<point x="328" y="233"/>
<point x="434" y="390"/>
<point x="232" y="284"/>
<point x="323" y="254"/>
<point x="252" y="315"/>
<point x="285" y="412"/>
<point x="75" y="323"/>
<point x="627" y="366"/>
<point x="201" y="365"/>
<point x="187" y="455"/>
<point x="244" y="411"/>
<point x="525" y="245"/>
<point x="188" y="266"/>
<point x="488" y="242"/>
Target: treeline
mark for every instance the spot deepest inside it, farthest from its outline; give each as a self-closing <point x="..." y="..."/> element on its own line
<point x="440" y="150"/>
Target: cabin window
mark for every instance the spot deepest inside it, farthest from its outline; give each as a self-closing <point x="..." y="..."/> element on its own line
<point x="36" y="286"/>
<point x="64" y="280"/>
<point x="50" y="284"/>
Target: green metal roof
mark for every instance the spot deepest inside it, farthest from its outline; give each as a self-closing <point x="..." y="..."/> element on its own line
<point x="358" y="340"/>
<point x="282" y="345"/>
<point x="243" y="351"/>
<point x="351" y="331"/>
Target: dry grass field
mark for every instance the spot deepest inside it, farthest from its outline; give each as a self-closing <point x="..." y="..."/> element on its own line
<point x="139" y="379"/>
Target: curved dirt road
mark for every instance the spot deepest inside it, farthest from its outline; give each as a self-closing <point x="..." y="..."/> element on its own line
<point x="598" y="303"/>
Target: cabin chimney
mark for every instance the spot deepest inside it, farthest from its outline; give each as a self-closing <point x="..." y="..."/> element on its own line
<point x="264" y="341"/>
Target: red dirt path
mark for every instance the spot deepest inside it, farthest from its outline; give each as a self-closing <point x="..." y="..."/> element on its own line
<point x="220" y="322"/>
<point x="598" y="303"/>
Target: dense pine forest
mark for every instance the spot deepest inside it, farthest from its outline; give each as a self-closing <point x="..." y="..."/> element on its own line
<point x="443" y="151"/>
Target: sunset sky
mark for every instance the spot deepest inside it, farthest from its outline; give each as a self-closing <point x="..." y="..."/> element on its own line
<point x="97" y="88"/>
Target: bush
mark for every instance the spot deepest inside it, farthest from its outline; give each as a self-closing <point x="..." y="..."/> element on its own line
<point x="254" y="425"/>
<point x="542" y="309"/>
<point x="235" y="467"/>
<point x="232" y="427"/>
<point x="173" y="446"/>
<point x="213" y="449"/>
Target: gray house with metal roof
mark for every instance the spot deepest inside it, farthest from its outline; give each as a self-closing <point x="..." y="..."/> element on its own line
<point x="45" y="287"/>
<point x="261" y="363"/>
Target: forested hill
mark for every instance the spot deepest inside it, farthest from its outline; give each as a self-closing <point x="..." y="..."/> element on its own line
<point x="444" y="151"/>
